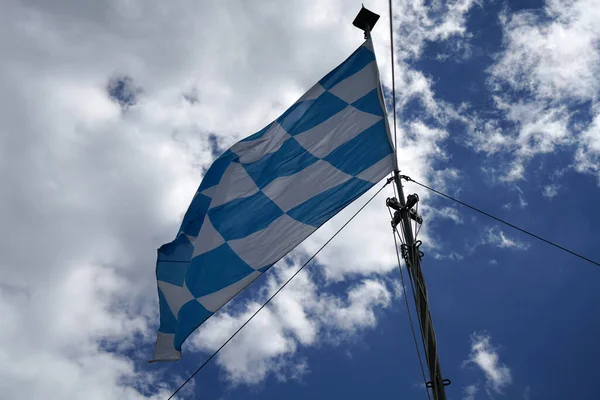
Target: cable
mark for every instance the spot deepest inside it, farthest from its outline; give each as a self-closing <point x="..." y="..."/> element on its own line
<point x="502" y="221"/>
<point x="393" y="76"/>
<point x="276" y="292"/>
<point x="412" y="255"/>
<point x="412" y="327"/>
<point x="393" y="90"/>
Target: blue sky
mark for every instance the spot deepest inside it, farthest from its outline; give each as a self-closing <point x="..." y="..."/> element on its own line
<point x="112" y="112"/>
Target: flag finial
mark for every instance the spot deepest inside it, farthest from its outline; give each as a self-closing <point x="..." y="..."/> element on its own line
<point x="366" y="19"/>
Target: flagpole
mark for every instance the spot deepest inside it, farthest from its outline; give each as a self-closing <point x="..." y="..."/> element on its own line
<point x="404" y="212"/>
<point x="412" y="256"/>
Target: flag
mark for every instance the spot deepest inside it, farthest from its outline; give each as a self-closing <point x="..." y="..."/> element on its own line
<point x="269" y="192"/>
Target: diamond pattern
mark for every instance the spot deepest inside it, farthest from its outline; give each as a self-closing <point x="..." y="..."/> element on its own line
<point x="270" y="191"/>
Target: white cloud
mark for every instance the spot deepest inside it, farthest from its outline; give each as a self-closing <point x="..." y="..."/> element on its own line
<point x="300" y="315"/>
<point x="520" y="200"/>
<point x="539" y="130"/>
<point x="551" y="191"/>
<point x="419" y="22"/>
<point x="552" y="59"/>
<point x="53" y="339"/>
<point x="448" y="213"/>
<point x="496" y="237"/>
<point x="587" y="157"/>
<point x="469" y="392"/>
<point x="454" y="256"/>
<point x="556" y="59"/>
<point x="485" y="356"/>
<point x="521" y="197"/>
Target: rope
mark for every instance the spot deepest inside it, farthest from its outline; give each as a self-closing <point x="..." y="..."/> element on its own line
<point x="503" y="221"/>
<point x="276" y="292"/>
<point x="412" y="326"/>
<point x="393" y="76"/>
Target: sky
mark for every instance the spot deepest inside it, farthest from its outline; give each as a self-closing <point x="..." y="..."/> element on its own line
<point x="111" y="112"/>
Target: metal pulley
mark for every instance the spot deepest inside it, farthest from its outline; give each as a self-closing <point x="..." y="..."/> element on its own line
<point x="411" y="201"/>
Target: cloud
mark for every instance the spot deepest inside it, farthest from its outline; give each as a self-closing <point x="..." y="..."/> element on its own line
<point x="448" y="213"/>
<point x="454" y="256"/>
<point x="552" y="54"/>
<point x="551" y="191"/>
<point x="485" y="356"/>
<point x="469" y="392"/>
<point x="587" y="157"/>
<point x="302" y="314"/>
<point x="496" y="237"/>
<point x="520" y="200"/>
<point x="544" y="81"/>
<point x="431" y="22"/>
<point x="57" y="336"/>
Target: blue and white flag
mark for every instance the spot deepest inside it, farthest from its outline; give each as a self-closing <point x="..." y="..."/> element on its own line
<point x="269" y="192"/>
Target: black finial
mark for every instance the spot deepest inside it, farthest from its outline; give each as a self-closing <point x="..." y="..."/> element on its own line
<point x="365" y="20"/>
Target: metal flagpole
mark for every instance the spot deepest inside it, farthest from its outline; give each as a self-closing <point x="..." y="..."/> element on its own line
<point x="403" y="215"/>
<point x="412" y="256"/>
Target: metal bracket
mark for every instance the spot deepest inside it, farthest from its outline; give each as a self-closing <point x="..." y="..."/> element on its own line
<point x="445" y="382"/>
